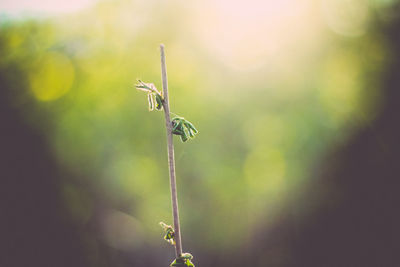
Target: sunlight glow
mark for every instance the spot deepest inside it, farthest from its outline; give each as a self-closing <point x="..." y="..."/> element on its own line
<point x="247" y="35"/>
<point x="346" y="17"/>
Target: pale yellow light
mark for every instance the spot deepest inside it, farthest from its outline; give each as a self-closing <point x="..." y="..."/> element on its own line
<point x="346" y="17"/>
<point x="18" y="7"/>
<point x="248" y="35"/>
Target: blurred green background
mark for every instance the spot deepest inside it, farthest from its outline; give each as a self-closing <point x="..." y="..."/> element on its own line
<point x="272" y="86"/>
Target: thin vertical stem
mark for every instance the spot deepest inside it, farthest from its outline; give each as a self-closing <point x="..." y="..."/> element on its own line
<point x="171" y="157"/>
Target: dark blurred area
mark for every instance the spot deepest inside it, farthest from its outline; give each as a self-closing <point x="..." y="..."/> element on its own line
<point x="36" y="227"/>
<point x="32" y="227"/>
<point x="358" y="224"/>
<point x="353" y="192"/>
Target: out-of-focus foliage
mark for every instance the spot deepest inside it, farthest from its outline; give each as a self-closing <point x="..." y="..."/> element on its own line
<point x="270" y="87"/>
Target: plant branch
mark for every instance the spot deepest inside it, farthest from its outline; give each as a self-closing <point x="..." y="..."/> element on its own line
<point x="171" y="157"/>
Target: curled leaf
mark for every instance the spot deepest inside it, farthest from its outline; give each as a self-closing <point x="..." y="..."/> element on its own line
<point x="169" y="233"/>
<point x="183" y="128"/>
<point x="151" y="101"/>
<point x="191" y="134"/>
<point x="147" y="87"/>
<point x="154" y="97"/>
<point x="190" y="126"/>
<point x="184" y="137"/>
<point x="177" y="126"/>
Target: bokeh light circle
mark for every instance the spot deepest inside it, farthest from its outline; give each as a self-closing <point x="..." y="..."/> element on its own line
<point x="52" y="76"/>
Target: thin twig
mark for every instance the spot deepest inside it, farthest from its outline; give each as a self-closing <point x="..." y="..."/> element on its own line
<point x="171" y="157"/>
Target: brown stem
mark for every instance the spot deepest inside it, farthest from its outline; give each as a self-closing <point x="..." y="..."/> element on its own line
<point x="171" y="157"/>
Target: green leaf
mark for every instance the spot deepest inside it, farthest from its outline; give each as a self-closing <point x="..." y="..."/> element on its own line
<point x="154" y="97"/>
<point x="169" y="233"/>
<point x="183" y="260"/>
<point x="184" y="137"/>
<point x="190" y="128"/>
<point x="159" y="102"/>
<point x="189" y="125"/>
<point x="143" y="86"/>
<point x="178" y="263"/>
<point x="191" y="133"/>
<point x="189" y="263"/>
<point x="147" y="87"/>
<point x="183" y="128"/>
<point x="182" y="263"/>
<point x="178" y="128"/>
<point x="176" y="124"/>
<point x="178" y="132"/>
